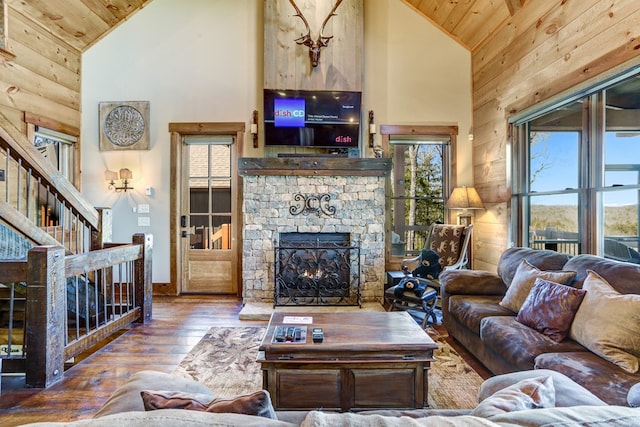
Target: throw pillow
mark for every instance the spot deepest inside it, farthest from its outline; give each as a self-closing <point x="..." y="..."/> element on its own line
<point x="633" y="396"/>
<point x="531" y="393"/>
<point x="165" y="399"/>
<point x="523" y="280"/>
<point x="550" y="308"/>
<point x="608" y="323"/>
<point x="446" y="240"/>
<point x="258" y="403"/>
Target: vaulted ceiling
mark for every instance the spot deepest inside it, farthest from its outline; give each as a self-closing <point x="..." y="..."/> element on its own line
<point x="467" y="21"/>
<point x="81" y="23"/>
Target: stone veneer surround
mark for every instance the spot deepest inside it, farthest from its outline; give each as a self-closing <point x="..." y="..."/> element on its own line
<point x="357" y="195"/>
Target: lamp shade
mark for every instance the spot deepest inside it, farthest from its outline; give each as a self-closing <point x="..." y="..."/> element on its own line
<point x="110" y="175"/>
<point x="125" y="174"/>
<point x="464" y="198"/>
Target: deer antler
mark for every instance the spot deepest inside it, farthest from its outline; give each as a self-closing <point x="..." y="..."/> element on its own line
<point x="322" y="39"/>
<point x="305" y="39"/>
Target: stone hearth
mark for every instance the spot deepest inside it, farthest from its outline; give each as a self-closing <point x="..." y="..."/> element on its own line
<point x="312" y="195"/>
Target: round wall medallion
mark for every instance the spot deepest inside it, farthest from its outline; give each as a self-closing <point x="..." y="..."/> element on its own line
<point x="124" y="126"/>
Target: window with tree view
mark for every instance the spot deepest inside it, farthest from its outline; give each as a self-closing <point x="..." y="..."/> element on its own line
<point x="576" y="174"/>
<point x="417" y="190"/>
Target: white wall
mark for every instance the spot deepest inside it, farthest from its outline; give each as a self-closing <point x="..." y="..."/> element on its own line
<point x="201" y="60"/>
<point x="416" y="74"/>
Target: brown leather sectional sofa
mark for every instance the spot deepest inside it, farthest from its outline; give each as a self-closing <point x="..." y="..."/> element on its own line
<point x="473" y="315"/>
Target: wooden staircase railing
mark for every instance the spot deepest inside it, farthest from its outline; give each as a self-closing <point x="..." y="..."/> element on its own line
<point x="107" y="286"/>
<point x="40" y="203"/>
<point x="63" y="320"/>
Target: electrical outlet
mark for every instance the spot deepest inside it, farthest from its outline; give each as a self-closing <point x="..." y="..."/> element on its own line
<point x="144" y="221"/>
<point x="143" y="208"/>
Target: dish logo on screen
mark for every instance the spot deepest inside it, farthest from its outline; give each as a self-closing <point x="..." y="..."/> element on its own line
<point x="288" y="112"/>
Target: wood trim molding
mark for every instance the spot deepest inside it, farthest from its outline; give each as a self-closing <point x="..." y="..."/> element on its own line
<point x="48" y="123"/>
<point x="178" y="130"/>
<point x="314" y="166"/>
<point x="207" y="128"/>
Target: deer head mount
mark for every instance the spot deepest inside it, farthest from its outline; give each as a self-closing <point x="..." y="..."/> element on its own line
<point x="322" y="41"/>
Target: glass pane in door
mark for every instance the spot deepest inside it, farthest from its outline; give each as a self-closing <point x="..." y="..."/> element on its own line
<point x="210" y="193"/>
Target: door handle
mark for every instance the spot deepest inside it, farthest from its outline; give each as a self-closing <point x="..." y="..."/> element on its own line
<point x="185" y="233"/>
<point x="183" y="221"/>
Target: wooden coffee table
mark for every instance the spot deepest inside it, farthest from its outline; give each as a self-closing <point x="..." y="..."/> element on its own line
<point x="367" y="360"/>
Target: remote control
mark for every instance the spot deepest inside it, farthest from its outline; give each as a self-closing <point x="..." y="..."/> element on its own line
<point x="290" y="333"/>
<point x="317" y="334"/>
<point x="279" y="335"/>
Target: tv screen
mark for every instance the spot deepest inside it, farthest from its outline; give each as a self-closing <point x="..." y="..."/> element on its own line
<point x="312" y="118"/>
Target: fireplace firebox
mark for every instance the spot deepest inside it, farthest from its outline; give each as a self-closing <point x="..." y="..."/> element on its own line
<point x="316" y="269"/>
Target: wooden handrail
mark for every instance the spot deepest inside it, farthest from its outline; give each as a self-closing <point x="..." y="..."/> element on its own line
<point x="25" y="227"/>
<point x="47" y="271"/>
<point x="12" y="138"/>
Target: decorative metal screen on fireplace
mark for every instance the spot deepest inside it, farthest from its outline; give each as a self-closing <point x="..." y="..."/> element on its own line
<point x="316" y="269"/>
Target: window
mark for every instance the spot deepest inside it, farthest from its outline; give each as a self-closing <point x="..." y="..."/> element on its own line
<point x="419" y="183"/>
<point x="59" y="149"/>
<point x="576" y="174"/>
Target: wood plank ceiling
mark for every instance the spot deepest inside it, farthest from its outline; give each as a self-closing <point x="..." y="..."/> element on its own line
<point x="467" y="21"/>
<point x="80" y="23"/>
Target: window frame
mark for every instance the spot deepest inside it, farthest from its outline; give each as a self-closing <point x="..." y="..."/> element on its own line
<point x="388" y="133"/>
<point x="591" y="165"/>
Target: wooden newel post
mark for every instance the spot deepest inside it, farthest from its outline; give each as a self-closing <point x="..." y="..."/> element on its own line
<point x="104" y="234"/>
<point x="45" y="315"/>
<point x="143" y="282"/>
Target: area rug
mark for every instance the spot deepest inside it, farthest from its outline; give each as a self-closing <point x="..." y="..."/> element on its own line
<point x="225" y="361"/>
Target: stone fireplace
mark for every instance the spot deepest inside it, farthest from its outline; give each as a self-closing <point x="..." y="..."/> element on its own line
<point x="313" y="196"/>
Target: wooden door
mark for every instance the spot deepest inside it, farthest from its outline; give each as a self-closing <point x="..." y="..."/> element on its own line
<point x="207" y="207"/>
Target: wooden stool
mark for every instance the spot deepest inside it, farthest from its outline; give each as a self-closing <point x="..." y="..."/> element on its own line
<point x="410" y="301"/>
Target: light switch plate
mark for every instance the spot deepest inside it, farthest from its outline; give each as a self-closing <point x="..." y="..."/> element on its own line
<point x="143" y="208"/>
<point x="144" y="221"/>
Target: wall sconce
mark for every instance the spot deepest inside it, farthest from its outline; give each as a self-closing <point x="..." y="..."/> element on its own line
<point x="372" y="129"/>
<point x="125" y="176"/>
<point x="464" y="198"/>
<point x="254" y="128"/>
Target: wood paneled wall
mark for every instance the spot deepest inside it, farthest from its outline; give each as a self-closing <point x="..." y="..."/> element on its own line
<point x="43" y="76"/>
<point x="545" y="49"/>
<point x="287" y="65"/>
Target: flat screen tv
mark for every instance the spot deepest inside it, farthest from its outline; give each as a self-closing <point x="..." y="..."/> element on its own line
<point x="311" y="118"/>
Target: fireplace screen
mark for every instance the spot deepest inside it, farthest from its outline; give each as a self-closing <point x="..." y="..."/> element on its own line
<point x="316" y="269"/>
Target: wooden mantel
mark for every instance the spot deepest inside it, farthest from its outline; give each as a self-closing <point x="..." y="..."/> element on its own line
<point x="315" y="166"/>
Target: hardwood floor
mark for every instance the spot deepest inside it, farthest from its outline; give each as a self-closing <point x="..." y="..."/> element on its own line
<point x="178" y="323"/>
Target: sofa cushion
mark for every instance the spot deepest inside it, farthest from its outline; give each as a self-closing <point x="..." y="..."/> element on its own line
<point x="350" y="419"/>
<point x="601" y="377"/>
<point x="550" y="308"/>
<point x="258" y="403"/>
<point x="469" y="310"/>
<point x="542" y="259"/>
<point x="575" y="416"/>
<point x="172" y="418"/>
<point x="523" y="281"/>
<point x="127" y="396"/>
<point x="529" y="393"/>
<point x="518" y="344"/>
<point x="568" y="392"/>
<point x="608" y="323"/>
<point x="624" y="277"/>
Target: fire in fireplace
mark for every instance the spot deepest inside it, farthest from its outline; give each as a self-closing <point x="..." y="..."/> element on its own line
<point x="316" y="269"/>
